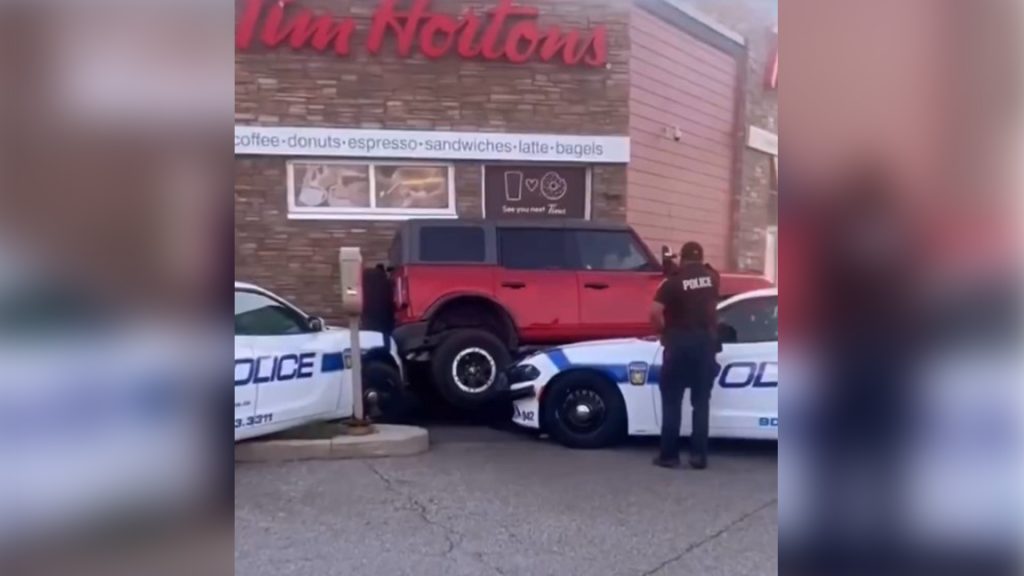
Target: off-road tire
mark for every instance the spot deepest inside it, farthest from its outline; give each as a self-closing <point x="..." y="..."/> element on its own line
<point x="466" y="366"/>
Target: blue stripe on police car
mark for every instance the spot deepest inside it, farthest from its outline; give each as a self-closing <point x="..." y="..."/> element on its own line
<point x="744" y="374"/>
<point x="334" y="362"/>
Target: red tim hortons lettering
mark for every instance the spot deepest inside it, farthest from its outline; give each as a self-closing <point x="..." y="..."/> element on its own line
<point x="520" y="33"/>
<point x="275" y="22"/>
<point x="593" y="52"/>
<point x="247" y="24"/>
<point x="470" y="26"/>
<point x="304" y="28"/>
<point x="403" y="23"/>
<point x="598" y="48"/>
<point x="492" y="49"/>
<point x="442" y="25"/>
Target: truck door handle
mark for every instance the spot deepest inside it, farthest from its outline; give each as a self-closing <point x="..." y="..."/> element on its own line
<point x="595" y="285"/>
<point x="514" y="285"/>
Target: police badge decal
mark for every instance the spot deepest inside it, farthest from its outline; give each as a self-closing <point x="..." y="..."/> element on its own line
<point x="638" y="373"/>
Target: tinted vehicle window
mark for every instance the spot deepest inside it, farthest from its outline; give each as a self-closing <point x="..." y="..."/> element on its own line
<point x="452" y="244"/>
<point x="257" y="315"/>
<point x="754" y="320"/>
<point x="526" y="249"/>
<point x="605" y="250"/>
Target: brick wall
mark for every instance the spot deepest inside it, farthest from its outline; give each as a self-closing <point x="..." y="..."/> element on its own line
<point x="298" y="258"/>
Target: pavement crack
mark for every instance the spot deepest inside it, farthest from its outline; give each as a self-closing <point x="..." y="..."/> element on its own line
<point x="714" y="535"/>
<point x="482" y="558"/>
<point x="452" y="537"/>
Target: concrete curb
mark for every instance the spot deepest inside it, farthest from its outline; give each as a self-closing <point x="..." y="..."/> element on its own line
<point x="386" y="441"/>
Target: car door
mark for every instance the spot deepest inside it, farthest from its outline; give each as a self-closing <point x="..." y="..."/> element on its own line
<point x="295" y="370"/>
<point x="616" y="278"/>
<point x="744" y="396"/>
<point x="536" y="282"/>
<point x="245" y="390"/>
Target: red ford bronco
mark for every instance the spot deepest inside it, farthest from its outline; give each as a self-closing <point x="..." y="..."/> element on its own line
<point x="471" y="295"/>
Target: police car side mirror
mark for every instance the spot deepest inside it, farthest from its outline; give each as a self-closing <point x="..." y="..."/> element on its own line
<point x="727" y="334"/>
<point x="315" y="324"/>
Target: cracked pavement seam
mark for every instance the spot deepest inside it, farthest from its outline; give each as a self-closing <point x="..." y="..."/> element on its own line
<point x="452" y="536"/>
<point x="418" y="507"/>
<point x="714" y="535"/>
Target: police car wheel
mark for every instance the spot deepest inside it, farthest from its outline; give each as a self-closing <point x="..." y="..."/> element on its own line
<point x="386" y="399"/>
<point x="466" y="367"/>
<point x="584" y="410"/>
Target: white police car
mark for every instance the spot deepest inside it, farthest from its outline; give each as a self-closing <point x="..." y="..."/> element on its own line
<point x="291" y="370"/>
<point x="593" y="394"/>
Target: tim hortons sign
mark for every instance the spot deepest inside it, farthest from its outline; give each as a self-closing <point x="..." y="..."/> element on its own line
<point x="506" y="32"/>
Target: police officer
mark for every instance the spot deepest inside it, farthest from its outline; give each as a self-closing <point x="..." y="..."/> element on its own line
<point x="684" y="315"/>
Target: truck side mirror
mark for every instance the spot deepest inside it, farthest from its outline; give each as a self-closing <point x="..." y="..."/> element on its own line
<point x="668" y="264"/>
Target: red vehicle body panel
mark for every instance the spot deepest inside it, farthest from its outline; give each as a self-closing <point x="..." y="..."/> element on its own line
<point x="545" y="304"/>
<point x="548" y="307"/>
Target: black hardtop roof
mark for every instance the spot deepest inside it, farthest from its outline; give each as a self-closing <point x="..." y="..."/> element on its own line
<point x="561" y="224"/>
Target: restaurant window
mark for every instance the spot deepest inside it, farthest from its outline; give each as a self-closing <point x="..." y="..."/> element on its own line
<point x="325" y="189"/>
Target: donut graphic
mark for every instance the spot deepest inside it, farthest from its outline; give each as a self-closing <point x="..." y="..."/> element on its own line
<point x="552" y="186"/>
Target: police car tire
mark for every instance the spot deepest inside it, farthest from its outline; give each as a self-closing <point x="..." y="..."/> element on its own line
<point x="611" y="432"/>
<point x="448" y="351"/>
<point x="400" y="402"/>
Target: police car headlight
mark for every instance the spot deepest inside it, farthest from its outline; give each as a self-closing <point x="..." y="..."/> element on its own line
<point x="523" y="373"/>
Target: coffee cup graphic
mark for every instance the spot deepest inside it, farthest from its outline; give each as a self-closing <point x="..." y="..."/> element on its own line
<point x="513" y="186"/>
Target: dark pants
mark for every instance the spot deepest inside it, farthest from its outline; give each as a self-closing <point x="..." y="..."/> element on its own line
<point x="687" y="362"/>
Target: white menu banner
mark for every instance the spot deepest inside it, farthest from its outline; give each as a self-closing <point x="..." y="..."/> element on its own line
<point x="426" y="145"/>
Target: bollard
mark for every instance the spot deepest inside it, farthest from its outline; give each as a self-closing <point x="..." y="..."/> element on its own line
<point x="350" y="265"/>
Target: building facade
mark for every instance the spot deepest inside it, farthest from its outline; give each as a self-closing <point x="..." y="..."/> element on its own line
<point x="353" y="115"/>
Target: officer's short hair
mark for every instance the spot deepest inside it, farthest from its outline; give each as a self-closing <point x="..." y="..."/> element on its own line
<point x="692" y="251"/>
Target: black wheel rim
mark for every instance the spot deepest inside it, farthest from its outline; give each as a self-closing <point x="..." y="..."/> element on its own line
<point x="474" y="370"/>
<point x="583" y="411"/>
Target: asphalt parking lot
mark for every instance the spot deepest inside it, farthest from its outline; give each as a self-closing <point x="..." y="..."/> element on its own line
<point x="486" y="502"/>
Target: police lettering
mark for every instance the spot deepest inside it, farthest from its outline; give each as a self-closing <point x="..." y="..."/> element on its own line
<point x="274" y="368"/>
<point x="748" y="375"/>
<point x="695" y="283"/>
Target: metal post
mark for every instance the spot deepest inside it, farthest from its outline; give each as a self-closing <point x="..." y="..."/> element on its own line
<point x="350" y="263"/>
<point x="357" y="369"/>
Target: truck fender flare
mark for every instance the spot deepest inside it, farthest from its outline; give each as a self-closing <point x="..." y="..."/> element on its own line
<point x="510" y="321"/>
